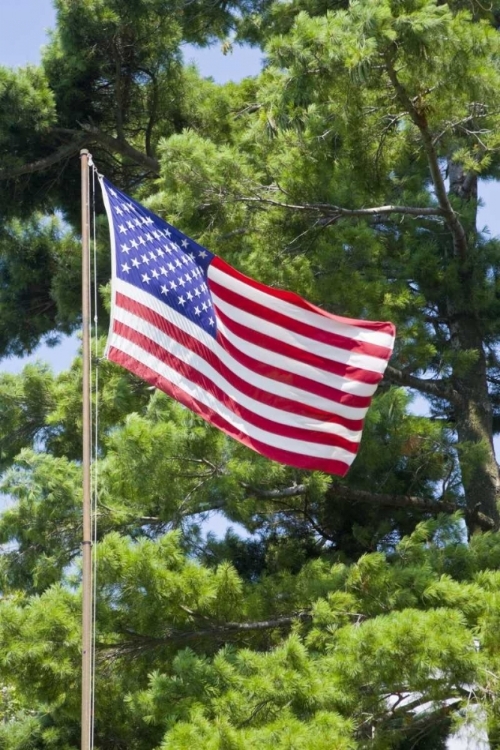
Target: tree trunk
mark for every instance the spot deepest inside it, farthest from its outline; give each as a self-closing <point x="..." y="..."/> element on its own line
<point x="474" y="424"/>
<point x="474" y="418"/>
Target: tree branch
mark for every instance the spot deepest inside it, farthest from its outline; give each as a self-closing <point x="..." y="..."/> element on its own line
<point x="394" y="501"/>
<point x="64" y="152"/>
<point x="437" y="388"/>
<point x="295" y="491"/>
<point x="418" y="118"/>
<point x="337" y="212"/>
<point x="140" y="642"/>
<point x="122" y="147"/>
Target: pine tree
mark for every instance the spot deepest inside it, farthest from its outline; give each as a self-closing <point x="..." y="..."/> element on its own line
<point x="356" y="615"/>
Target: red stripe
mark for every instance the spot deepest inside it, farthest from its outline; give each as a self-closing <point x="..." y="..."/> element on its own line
<point x="299" y="460"/>
<point x="305" y="329"/>
<point x="298" y="381"/>
<point x="197" y="378"/>
<point x="260" y="368"/>
<point x="254" y="336"/>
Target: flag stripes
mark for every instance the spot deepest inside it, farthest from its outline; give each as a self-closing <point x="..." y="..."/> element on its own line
<point x="268" y="368"/>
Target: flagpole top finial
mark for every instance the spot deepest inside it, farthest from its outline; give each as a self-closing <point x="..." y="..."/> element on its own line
<point x="84" y="152"/>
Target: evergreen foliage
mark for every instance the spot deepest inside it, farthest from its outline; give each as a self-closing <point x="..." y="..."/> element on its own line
<point x="356" y="614"/>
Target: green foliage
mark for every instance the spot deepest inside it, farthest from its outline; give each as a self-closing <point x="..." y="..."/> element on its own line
<point x="336" y="613"/>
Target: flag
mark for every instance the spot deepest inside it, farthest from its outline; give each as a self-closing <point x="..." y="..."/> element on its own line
<point x="280" y="375"/>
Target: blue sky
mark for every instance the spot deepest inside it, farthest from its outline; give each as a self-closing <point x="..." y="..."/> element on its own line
<point x="24" y="23"/>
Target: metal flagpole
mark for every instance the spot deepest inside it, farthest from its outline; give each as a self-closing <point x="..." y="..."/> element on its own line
<point x="86" y="427"/>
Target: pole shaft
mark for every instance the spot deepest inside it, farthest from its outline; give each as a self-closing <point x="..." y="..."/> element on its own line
<point x="86" y="428"/>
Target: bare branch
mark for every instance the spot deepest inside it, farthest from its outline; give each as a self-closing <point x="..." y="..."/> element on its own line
<point x="337" y="212"/>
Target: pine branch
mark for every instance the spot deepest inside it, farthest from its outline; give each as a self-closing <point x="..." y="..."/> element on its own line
<point x="80" y="138"/>
<point x="60" y="154"/>
<point x="337" y="212"/>
<point x="294" y="491"/>
<point x="224" y="632"/>
<point x="121" y="146"/>
<point x="437" y="388"/>
<point x="394" y="501"/>
<point x="418" y="118"/>
<point x="420" y="504"/>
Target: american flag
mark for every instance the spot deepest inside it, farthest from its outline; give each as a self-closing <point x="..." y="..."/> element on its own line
<point x="280" y="375"/>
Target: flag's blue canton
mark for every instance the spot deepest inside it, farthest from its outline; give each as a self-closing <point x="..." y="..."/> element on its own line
<point x="160" y="260"/>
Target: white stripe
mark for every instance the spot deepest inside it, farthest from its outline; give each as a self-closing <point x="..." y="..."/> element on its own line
<point x="290" y="444"/>
<point x="346" y="385"/>
<point x="324" y="322"/>
<point x="202" y="366"/>
<point x="321" y="349"/>
<point x="267" y="384"/>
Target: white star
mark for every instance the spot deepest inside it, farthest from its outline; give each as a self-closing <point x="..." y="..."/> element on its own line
<point x="125" y="267"/>
<point x="197" y="310"/>
<point x="154" y="273"/>
<point x="125" y="248"/>
<point x="171" y="266"/>
<point x="163" y="271"/>
<point x="168" y="232"/>
<point x="146" y="278"/>
<point x="197" y="292"/>
<point x="126" y="207"/>
<point x="185" y="259"/>
<point x="142" y="241"/>
<point x="202" y="254"/>
<point x="178" y="263"/>
<point x="168" y="249"/>
<point x="181" y="281"/>
<point x="211" y="321"/>
<point x="123" y="229"/>
<point x="189" y="296"/>
<point x="145" y="259"/>
<point x="152" y="255"/>
<point x="187" y="277"/>
<point x="118" y="210"/>
<point x="184" y="243"/>
<point x="175" y="246"/>
<point x="135" y="263"/>
<point x="191" y="255"/>
<point x="137" y="222"/>
<point x="130" y="224"/>
<point x="112" y="192"/>
<point x="160" y="252"/>
<point x="182" y="301"/>
<point x="173" y="285"/>
<point x="156" y="234"/>
<point x="149" y="237"/>
<point x="205" y="306"/>
<point x="134" y="244"/>
<point x="149" y="220"/>
<point x="164" y="289"/>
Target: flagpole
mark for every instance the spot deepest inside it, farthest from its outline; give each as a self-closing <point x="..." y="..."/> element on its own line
<point x="86" y="717"/>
